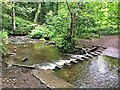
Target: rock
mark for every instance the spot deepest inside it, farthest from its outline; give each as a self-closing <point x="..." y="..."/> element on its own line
<point x="12" y="54"/>
<point x="74" y="62"/>
<point x="98" y="45"/>
<point x="94" y="49"/>
<point x="118" y="69"/>
<point x="42" y="40"/>
<point x="67" y="65"/>
<point x="24" y="59"/>
<point x="72" y="59"/>
<point x="91" y="56"/>
<point x="81" y="59"/>
<point x="94" y="54"/>
<point x="99" y="50"/>
<point x="98" y="53"/>
<point x="58" y="67"/>
<point x="47" y="38"/>
<point x="86" y="58"/>
<point x="50" y="43"/>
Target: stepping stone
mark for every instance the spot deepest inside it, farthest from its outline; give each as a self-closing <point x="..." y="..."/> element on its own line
<point x="86" y="58"/>
<point x="73" y="59"/>
<point x="74" y="62"/>
<point x="58" y="67"/>
<point x="91" y="56"/>
<point x="99" y="50"/>
<point x="81" y="59"/>
<point x="94" y="54"/>
<point x="98" y="53"/>
<point x="67" y="65"/>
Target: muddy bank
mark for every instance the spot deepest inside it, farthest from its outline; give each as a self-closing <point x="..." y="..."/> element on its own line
<point x="21" y="40"/>
<point x="105" y="41"/>
<point x="112" y="44"/>
<point x="19" y="77"/>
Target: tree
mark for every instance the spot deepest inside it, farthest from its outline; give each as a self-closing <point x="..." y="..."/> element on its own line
<point x="37" y="13"/>
<point x="13" y="16"/>
<point x="73" y="16"/>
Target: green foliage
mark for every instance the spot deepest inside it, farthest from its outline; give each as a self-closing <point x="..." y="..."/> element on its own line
<point x="92" y="20"/>
<point x="36" y="33"/>
<point x="3" y="37"/>
<point x="23" y="27"/>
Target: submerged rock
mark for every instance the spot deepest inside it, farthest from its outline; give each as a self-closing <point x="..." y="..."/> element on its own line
<point x="24" y="59"/>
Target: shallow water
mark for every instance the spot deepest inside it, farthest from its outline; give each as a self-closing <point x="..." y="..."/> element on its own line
<point x="100" y="72"/>
<point x="35" y="53"/>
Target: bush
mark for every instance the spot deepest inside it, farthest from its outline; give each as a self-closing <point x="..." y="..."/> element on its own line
<point x="3" y="37"/>
<point x="36" y="33"/>
<point x="23" y="27"/>
<point x="110" y="31"/>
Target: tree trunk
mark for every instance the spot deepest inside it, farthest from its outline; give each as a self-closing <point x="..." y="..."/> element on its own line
<point x="56" y="11"/>
<point x="37" y="13"/>
<point x="72" y="24"/>
<point x="13" y="16"/>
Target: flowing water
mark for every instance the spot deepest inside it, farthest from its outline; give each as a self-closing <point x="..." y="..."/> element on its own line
<point x="99" y="72"/>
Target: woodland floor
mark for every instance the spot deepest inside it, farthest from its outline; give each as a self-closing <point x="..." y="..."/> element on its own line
<point x="19" y="77"/>
<point x="105" y="41"/>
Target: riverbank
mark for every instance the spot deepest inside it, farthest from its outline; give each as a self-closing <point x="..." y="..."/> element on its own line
<point x="20" y="77"/>
<point x="111" y="43"/>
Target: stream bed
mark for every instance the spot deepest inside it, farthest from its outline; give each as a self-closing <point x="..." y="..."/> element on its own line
<point x="98" y="72"/>
<point x="37" y="53"/>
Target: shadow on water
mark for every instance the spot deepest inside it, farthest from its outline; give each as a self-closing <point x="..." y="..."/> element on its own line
<point x="35" y="53"/>
<point x="101" y="72"/>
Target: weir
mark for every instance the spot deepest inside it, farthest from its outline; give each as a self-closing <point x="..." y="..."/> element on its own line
<point x="68" y="62"/>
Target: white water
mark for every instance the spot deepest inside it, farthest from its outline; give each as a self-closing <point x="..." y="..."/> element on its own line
<point x="60" y="62"/>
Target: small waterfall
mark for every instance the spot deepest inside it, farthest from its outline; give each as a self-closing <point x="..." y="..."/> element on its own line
<point x="62" y="62"/>
<point x="52" y="65"/>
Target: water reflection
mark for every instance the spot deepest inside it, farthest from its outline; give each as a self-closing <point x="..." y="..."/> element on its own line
<point x="36" y="53"/>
